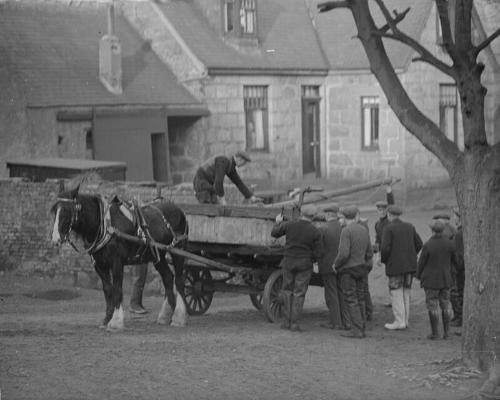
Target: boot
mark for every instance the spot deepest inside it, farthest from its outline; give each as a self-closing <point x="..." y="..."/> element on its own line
<point x="406" y="299"/>
<point x="434" y="320"/>
<point x="398" y="309"/>
<point x="297" y="305"/>
<point x="136" y="306"/>
<point x="446" y="315"/>
<point x="286" y="297"/>
<point x="140" y="275"/>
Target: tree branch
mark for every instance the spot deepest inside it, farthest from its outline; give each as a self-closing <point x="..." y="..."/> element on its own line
<point x="486" y="43"/>
<point x="398" y="35"/>
<point x="425" y="55"/>
<point x="331" y="5"/>
<point x="444" y="21"/>
<point x="398" y="17"/>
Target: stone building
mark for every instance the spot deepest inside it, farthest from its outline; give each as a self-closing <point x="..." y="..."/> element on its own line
<point x="79" y="82"/>
<point x="364" y="138"/>
<point x="273" y="77"/>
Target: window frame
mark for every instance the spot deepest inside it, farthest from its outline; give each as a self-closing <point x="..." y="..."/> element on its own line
<point x="244" y="12"/>
<point x="443" y="105"/>
<point x="251" y="103"/>
<point x="375" y="105"/>
<point x="228" y="15"/>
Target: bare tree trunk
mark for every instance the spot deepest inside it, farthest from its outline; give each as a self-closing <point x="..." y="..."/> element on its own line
<point x="477" y="186"/>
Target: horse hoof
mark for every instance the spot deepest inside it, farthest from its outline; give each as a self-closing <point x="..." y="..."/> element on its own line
<point x="161" y="321"/>
<point x="177" y="324"/>
<point x="102" y="326"/>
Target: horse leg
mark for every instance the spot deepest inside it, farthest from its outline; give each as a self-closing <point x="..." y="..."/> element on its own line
<point x="105" y="276"/>
<point x="116" y="322"/>
<point x="165" y="315"/>
<point x="180" y="315"/>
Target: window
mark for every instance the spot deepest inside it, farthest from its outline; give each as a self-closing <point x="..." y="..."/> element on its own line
<point x="370" y="122"/>
<point x="248" y="17"/>
<point x="448" y="110"/>
<point x="228" y="15"/>
<point x="256" y="117"/>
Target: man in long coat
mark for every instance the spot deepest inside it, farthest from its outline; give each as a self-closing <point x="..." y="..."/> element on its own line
<point x="331" y="238"/>
<point x="434" y="272"/>
<point x="399" y="248"/>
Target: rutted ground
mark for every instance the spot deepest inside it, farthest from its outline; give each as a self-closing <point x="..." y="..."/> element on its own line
<point x="53" y="349"/>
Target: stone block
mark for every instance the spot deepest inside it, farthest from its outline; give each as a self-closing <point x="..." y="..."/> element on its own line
<point x="339" y="131"/>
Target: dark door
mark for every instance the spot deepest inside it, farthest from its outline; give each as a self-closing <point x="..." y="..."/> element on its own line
<point x="159" y="148"/>
<point x="310" y="137"/>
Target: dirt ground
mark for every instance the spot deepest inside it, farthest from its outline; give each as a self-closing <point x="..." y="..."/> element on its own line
<point x="51" y="348"/>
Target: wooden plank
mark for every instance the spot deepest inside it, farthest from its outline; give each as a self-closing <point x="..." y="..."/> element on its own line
<point x="317" y="197"/>
<point x="216" y="210"/>
<point x="231" y="230"/>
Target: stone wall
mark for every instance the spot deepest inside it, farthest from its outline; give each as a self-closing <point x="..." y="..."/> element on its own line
<point x="26" y="221"/>
<point x="346" y="160"/>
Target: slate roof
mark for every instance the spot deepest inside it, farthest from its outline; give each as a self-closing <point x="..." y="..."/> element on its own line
<point x="53" y="51"/>
<point x="337" y="31"/>
<point x="287" y="38"/>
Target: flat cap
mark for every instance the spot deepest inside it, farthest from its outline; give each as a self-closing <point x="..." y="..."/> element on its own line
<point x="309" y="211"/>
<point x="349" y="211"/>
<point x="437" y="226"/>
<point x="441" y="216"/>
<point x="394" y="210"/>
<point x="333" y="208"/>
<point x="381" y="204"/>
<point x="243" y="154"/>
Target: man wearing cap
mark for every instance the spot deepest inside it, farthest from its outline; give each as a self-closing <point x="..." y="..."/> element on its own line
<point x="398" y="251"/>
<point x="449" y="230"/>
<point x="331" y="238"/>
<point x="355" y="252"/>
<point x="209" y="179"/>
<point x="434" y="272"/>
<point x="303" y="246"/>
<point x="382" y="215"/>
<point x="458" y="273"/>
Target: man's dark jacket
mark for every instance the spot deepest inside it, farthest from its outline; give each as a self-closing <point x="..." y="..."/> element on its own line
<point x="435" y="263"/>
<point x="214" y="171"/>
<point x="331" y="238"/>
<point x="400" y="246"/>
<point x="382" y="222"/>
<point x="303" y="243"/>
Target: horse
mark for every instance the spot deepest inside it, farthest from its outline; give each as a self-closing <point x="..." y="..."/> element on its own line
<point x="103" y="227"/>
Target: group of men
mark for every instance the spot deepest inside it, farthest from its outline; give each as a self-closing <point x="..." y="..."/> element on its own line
<point x="344" y="254"/>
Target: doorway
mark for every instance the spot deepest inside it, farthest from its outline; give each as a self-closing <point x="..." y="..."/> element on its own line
<point x="311" y="162"/>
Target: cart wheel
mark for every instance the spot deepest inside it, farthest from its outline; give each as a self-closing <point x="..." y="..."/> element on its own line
<point x="256" y="299"/>
<point x="196" y="293"/>
<point x="271" y="300"/>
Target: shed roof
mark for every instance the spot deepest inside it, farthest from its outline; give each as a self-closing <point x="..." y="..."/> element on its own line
<point x="53" y="50"/>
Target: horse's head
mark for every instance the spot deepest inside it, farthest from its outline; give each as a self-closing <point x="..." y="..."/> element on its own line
<point x="66" y="211"/>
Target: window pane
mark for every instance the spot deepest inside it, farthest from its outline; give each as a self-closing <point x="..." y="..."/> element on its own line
<point x="255" y="103"/>
<point x="259" y="129"/>
<point x="449" y="123"/>
<point x="370" y="110"/>
<point x="367" y="127"/>
<point x="228" y="15"/>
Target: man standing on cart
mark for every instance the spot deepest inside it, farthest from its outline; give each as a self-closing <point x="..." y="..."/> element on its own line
<point x="209" y="179"/>
<point x="303" y="246"/>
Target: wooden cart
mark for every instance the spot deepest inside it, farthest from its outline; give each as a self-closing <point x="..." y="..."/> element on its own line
<point x="230" y="249"/>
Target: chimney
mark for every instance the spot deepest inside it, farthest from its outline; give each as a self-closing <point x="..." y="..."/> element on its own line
<point x="110" y="62"/>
